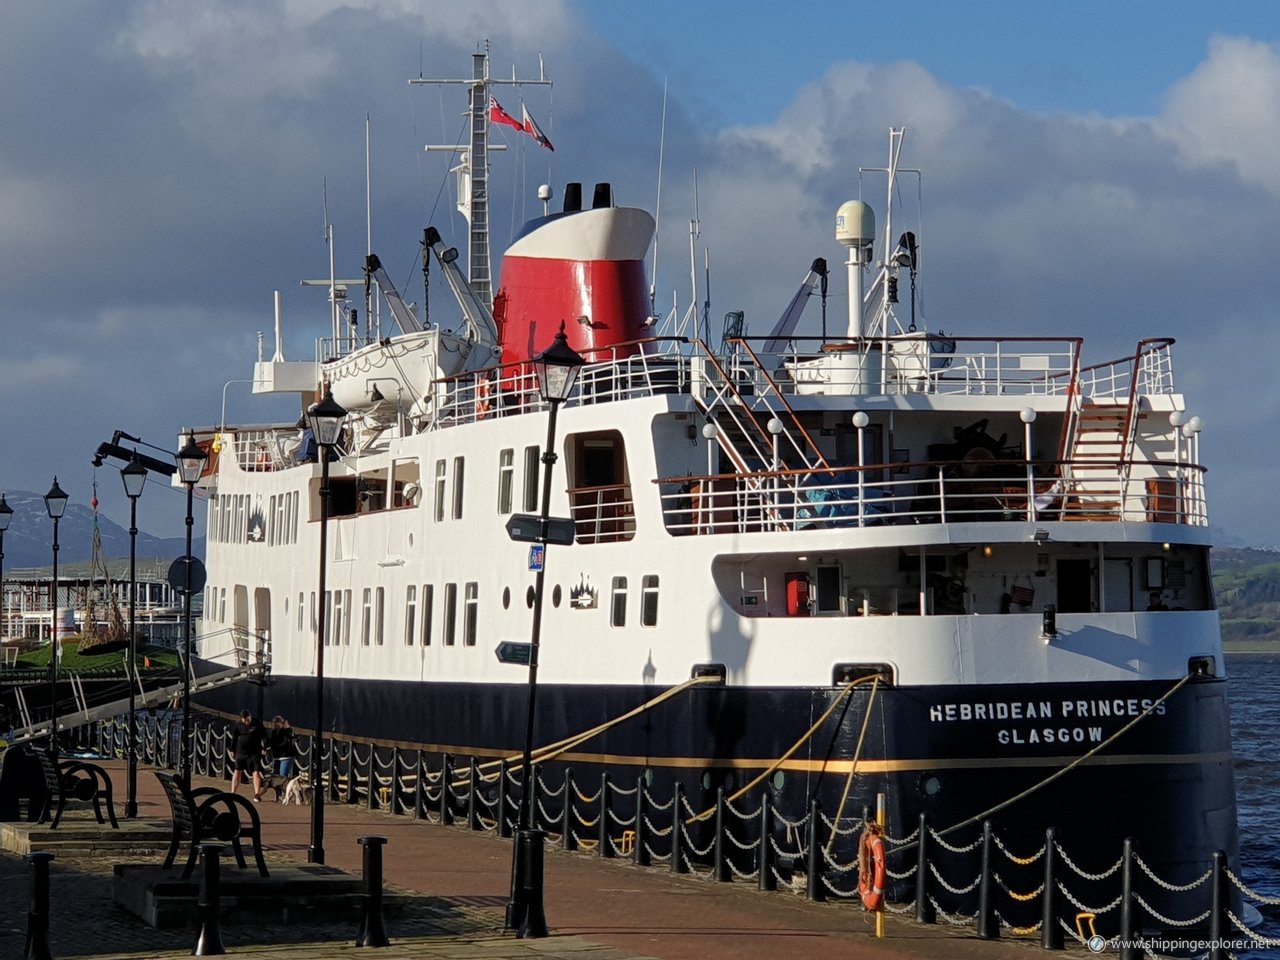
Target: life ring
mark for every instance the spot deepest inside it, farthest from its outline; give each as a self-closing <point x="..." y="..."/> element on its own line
<point x="871" y="871"/>
<point x="482" y="399"/>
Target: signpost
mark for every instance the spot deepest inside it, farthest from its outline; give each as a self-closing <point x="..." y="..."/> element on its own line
<point x="537" y="556"/>
<point x="178" y="574"/>
<point x="526" y="528"/>
<point x="514" y="651"/>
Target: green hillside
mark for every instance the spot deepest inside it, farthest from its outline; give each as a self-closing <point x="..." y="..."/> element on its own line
<point x="1246" y="583"/>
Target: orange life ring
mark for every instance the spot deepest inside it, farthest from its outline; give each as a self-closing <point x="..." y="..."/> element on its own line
<point x="482" y="399"/>
<point x="871" y="868"/>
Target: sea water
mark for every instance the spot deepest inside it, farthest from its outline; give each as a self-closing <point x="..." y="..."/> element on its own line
<point x="1254" y="691"/>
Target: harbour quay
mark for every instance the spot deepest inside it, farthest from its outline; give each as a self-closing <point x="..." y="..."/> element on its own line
<point x="450" y="888"/>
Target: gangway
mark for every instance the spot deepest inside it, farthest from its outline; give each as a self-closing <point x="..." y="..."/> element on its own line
<point x="145" y="698"/>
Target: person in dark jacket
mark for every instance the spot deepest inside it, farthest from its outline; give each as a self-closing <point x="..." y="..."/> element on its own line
<point x="283" y="751"/>
<point x="248" y="741"/>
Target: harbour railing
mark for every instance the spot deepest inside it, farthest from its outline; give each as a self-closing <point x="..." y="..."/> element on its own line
<point x="975" y="880"/>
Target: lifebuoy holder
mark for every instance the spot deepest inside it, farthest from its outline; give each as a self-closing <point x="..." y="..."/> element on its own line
<point x="871" y="869"/>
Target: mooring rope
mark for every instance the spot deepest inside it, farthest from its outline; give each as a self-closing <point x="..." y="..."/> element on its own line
<point x="853" y="770"/>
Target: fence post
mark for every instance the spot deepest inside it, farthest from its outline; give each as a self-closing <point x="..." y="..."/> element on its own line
<point x="504" y="786"/>
<point x="446" y="773"/>
<point x="38" y="914"/>
<point x="641" y="850"/>
<point x="567" y="839"/>
<point x="1130" y="923"/>
<point x="721" y="862"/>
<point x="1219" y="903"/>
<point x="371" y="777"/>
<point x="603" y="843"/>
<point x="373" y="930"/>
<point x="813" y="886"/>
<point x="988" y="926"/>
<point x="419" y="785"/>
<point x="1050" y="930"/>
<point x="473" y="797"/>
<point x="209" y="939"/>
<point x="925" y="910"/>
<point x="767" y="881"/>
<point x="395" y="780"/>
<point x="677" y="831"/>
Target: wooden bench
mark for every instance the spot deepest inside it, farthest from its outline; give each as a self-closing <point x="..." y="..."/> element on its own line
<point x="69" y="780"/>
<point x="207" y="813"/>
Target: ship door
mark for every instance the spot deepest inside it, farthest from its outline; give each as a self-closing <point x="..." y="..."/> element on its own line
<point x="828" y="584"/>
<point x="1075" y="585"/>
<point x="600" y="496"/>
<point x="798" y="594"/>
<point x="262" y="625"/>
<point x="240" y="624"/>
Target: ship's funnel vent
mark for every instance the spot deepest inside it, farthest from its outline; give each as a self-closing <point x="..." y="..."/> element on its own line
<point x="603" y="196"/>
<point x="572" y="197"/>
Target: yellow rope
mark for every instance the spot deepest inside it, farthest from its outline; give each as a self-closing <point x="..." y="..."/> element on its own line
<point x="979" y="817"/>
<point x="794" y="747"/>
<point x="853" y="770"/>
<point x="1022" y="861"/>
<point x="1024" y="931"/>
<point x="1024" y="897"/>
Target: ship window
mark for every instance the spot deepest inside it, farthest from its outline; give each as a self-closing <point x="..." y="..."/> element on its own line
<point x="222" y="605"/>
<point x="649" y="601"/>
<point x="450" y="612"/>
<point x="530" y="479"/>
<point x="428" y="600"/>
<point x="618" y="610"/>
<point x="410" y="613"/>
<point x="366" y="617"/>
<point x="440" y="481"/>
<point x="379" y="605"/>
<point x="329" y="636"/>
<point x="457" y="486"/>
<point x="506" y="478"/>
<point x="271" y="521"/>
<point x="471" y="607"/>
<point x="302" y="623"/>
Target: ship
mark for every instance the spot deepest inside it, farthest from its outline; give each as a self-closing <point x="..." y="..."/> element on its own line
<point x="965" y="573"/>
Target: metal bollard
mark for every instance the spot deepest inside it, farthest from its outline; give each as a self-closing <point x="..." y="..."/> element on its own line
<point x="988" y="926"/>
<point x="473" y="796"/>
<point x="721" y="861"/>
<point x="371" y="777"/>
<point x="1050" y="929"/>
<point x="419" y="785"/>
<point x="446" y="772"/>
<point x="677" y="831"/>
<point x="768" y="879"/>
<point x="373" y="930"/>
<point x="1130" y="926"/>
<point x="209" y="939"/>
<point x="1219" y="903"/>
<point x="394" y="795"/>
<point x="641" y="849"/>
<point x="534" y="921"/>
<point x="813" y="885"/>
<point x="504" y="790"/>
<point x="603" y="846"/>
<point x="38" y="916"/>
<point x="568" y="840"/>
<point x="925" y="911"/>
<point x="349" y="794"/>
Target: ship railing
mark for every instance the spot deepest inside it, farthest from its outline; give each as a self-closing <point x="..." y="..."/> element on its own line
<point x="603" y="514"/>
<point x="1146" y="372"/>
<point x="929" y="492"/>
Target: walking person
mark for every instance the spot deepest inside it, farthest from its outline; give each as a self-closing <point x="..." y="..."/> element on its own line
<point x="248" y="741"/>
<point x="283" y="751"/>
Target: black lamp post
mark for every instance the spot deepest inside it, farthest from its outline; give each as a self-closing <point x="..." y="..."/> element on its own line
<point x="190" y="465"/>
<point x="55" y="502"/>
<point x="326" y="419"/>
<point x="557" y="368"/>
<point x="134" y="476"/>
<point x="6" y="514"/>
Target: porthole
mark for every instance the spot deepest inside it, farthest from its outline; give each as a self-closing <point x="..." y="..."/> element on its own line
<point x="648" y="776"/>
<point x="555" y="596"/>
<point x="930" y="785"/>
<point x="506" y="597"/>
<point x="706" y="780"/>
<point x="779" y="778"/>
<point x="528" y="598"/>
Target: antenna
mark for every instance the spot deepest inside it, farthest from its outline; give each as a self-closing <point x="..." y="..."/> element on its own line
<point x="368" y="230"/>
<point x="657" y="208"/>
<point x="333" y="283"/>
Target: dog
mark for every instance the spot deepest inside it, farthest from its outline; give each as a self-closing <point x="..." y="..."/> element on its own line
<point x="297" y="790"/>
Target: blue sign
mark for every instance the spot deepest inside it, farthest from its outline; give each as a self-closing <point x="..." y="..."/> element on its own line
<point x="537" y="553"/>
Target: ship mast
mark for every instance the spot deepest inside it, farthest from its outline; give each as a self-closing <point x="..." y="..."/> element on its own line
<point x="472" y="168"/>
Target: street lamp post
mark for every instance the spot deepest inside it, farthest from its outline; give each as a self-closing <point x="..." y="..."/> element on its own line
<point x="55" y="502"/>
<point x="6" y="514"/>
<point x="190" y="465"/>
<point x="134" y="476"/>
<point x="557" y="369"/>
<point x="326" y="420"/>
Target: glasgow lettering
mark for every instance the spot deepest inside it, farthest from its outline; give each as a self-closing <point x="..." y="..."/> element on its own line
<point x="1067" y="730"/>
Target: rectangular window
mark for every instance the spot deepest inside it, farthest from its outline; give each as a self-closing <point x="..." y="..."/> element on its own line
<point x="330" y="636"/>
<point x="366" y="618"/>
<point x="457" y="487"/>
<point x="440" y="481"/>
<point x="379" y="605"/>
<point x="530" y="479"/>
<point x="506" y="479"/>
<point x="271" y="522"/>
<point x="302" y="604"/>
<point x="649" y="601"/>
<point x="410" y="613"/>
<point x="618" y="608"/>
<point x="450" y="612"/>
<point x="428" y="601"/>
<point x="470" y="608"/>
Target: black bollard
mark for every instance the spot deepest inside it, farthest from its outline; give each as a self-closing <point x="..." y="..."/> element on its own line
<point x="373" y="931"/>
<point x="371" y="777"/>
<point x="1130" y="927"/>
<point x="1219" y="903"/>
<point x="349" y="796"/>
<point x="395" y="781"/>
<point x="677" y="831"/>
<point x="641" y="850"/>
<point x="504" y="788"/>
<point x="988" y="925"/>
<point x="568" y="839"/>
<point x="603" y="845"/>
<point x="814" y="889"/>
<point x="473" y="797"/>
<point x="925" y="911"/>
<point x="419" y="785"/>
<point x="446" y="773"/>
<point x="534" y="921"/>
<point x="768" y="880"/>
<point x="1050" y="929"/>
<point x="38" y="915"/>
<point x="721" y="861"/>
<point x="209" y="939"/>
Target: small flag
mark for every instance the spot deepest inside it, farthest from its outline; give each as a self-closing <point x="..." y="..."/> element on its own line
<point x="498" y="115"/>
<point x="531" y="127"/>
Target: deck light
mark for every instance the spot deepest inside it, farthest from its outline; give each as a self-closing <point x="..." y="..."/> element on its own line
<point x="557" y="369"/>
<point x="327" y="418"/>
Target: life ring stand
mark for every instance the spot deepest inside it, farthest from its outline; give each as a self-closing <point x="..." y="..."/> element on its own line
<point x="482" y="398"/>
<point x="871" y="869"/>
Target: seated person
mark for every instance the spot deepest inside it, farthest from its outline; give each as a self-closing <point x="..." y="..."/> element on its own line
<point x="1156" y="601"/>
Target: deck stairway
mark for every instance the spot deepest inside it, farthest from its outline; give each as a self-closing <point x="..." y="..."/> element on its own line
<point x="1099" y="460"/>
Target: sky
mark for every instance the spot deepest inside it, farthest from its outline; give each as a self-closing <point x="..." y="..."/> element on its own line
<point x="1092" y="169"/>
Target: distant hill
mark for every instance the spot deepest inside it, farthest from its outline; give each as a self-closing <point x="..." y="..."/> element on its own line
<point x="28" y="539"/>
<point x="1246" y="583"/>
